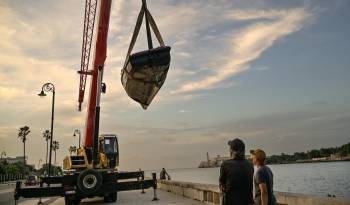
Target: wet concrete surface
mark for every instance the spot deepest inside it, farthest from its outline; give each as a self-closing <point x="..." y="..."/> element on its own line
<point x="125" y="198"/>
<point x="6" y="194"/>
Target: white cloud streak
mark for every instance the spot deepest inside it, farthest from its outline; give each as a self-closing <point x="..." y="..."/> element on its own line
<point x="249" y="43"/>
<point x="41" y="45"/>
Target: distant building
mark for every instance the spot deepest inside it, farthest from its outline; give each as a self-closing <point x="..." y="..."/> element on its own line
<point x="335" y="157"/>
<point x="214" y="162"/>
<point x="319" y="159"/>
<point x="12" y="160"/>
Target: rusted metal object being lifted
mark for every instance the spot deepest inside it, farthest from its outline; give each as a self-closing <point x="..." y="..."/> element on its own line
<point x="144" y="73"/>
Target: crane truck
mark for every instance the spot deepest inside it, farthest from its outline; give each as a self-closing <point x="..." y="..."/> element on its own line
<point x="93" y="170"/>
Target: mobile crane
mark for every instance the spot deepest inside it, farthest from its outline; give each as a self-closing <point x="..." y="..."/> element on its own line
<point x="93" y="170"/>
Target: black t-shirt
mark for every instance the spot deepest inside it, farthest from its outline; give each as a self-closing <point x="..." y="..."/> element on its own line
<point x="264" y="175"/>
<point x="237" y="178"/>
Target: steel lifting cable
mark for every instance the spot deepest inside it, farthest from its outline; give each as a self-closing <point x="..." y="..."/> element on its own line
<point x="144" y="72"/>
<point x="149" y="19"/>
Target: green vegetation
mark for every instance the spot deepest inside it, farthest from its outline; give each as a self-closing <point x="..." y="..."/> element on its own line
<point x="15" y="168"/>
<point x="342" y="151"/>
<point x="55" y="170"/>
<point x="18" y="168"/>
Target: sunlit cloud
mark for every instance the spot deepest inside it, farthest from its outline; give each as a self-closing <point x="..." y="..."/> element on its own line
<point x="184" y="111"/>
<point x="211" y="42"/>
<point x="249" y="43"/>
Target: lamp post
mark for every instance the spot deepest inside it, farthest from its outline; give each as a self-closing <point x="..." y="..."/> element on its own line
<point x="39" y="163"/>
<point x="40" y="160"/>
<point x="3" y="154"/>
<point x="75" y="134"/>
<point x="49" y="87"/>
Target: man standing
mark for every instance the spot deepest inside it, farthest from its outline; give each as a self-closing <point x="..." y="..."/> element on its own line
<point x="163" y="174"/>
<point x="236" y="176"/>
<point x="263" y="180"/>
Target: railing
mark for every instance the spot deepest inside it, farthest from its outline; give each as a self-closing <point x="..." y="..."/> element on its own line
<point x="201" y="192"/>
<point x="210" y="194"/>
<point x="10" y="177"/>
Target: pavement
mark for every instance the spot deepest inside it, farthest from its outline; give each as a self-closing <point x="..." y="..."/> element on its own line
<point x="6" y="194"/>
<point x="124" y="198"/>
<point x="4" y="184"/>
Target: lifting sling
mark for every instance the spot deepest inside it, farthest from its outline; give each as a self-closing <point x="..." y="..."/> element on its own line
<point x="144" y="72"/>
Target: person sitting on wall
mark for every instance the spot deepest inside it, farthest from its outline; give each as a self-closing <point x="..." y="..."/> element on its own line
<point x="164" y="174"/>
<point x="263" y="180"/>
<point x="236" y="176"/>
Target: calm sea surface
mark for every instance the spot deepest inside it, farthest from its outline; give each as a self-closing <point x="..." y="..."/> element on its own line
<point x="310" y="178"/>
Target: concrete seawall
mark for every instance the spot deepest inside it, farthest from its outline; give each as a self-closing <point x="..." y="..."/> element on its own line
<point x="210" y="194"/>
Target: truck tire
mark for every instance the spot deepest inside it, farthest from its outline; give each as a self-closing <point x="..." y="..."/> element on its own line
<point x="89" y="181"/>
<point x="111" y="197"/>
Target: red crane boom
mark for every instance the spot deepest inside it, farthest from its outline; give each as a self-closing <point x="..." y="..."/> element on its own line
<point x="98" y="62"/>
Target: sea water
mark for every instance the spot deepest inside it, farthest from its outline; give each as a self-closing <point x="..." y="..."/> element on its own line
<point x="318" y="179"/>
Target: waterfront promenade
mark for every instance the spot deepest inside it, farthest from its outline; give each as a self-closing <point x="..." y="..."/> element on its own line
<point x="173" y="192"/>
<point x="124" y="198"/>
<point x="210" y="194"/>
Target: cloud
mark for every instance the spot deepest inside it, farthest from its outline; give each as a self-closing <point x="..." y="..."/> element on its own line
<point x="241" y="15"/>
<point x="210" y="43"/>
<point x="184" y="111"/>
<point x="263" y="68"/>
<point x="250" y="42"/>
<point x="286" y="132"/>
<point x="7" y="93"/>
<point x="5" y="131"/>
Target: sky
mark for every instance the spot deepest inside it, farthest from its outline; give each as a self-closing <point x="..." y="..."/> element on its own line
<point x="274" y="73"/>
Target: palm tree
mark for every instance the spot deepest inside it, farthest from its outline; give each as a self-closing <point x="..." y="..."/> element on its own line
<point x="47" y="136"/>
<point x="55" y="147"/>
<point x="23" y="132"/>
<point x="72" y="149"/>
<point x="3" y="154"/>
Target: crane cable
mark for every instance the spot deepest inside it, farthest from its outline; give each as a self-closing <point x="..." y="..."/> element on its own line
<point x="143" y="11"/>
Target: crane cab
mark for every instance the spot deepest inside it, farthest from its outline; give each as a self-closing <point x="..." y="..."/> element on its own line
<point x="109" y="150"/>
<point x="108" y="157"/>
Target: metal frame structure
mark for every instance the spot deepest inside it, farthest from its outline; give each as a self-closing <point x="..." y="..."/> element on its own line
<point x="49" y="87"/>
<point x="65" y="186"/>
<point x="89" y="25"/>
<point x="98" y="66"/>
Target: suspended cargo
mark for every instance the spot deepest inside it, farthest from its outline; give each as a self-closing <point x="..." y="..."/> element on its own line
<point x="144" y="73"/>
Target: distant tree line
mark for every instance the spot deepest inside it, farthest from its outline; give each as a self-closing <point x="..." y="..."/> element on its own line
<point x="19" y="168"/>
<point x="15" y="168"/>
<point x="44" y="170"/>
<point x="343" y="151"/>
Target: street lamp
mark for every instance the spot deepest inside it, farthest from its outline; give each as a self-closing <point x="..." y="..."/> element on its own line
<point x="75" y="134"/>
<point x="49" y="87"/>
